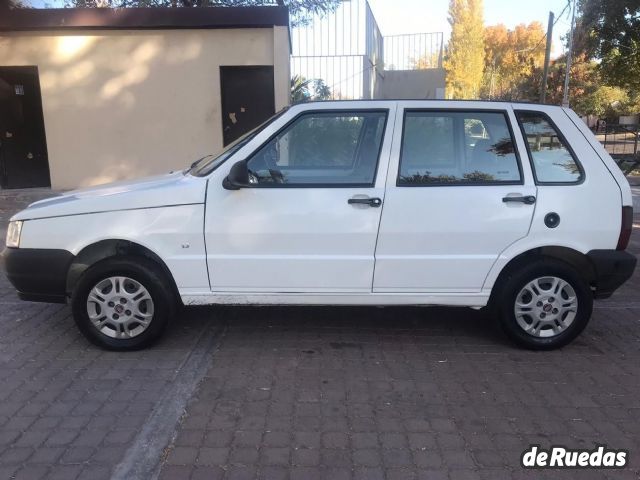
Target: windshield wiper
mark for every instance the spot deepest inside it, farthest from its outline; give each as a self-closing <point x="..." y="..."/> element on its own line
<point x="195" y="163"/>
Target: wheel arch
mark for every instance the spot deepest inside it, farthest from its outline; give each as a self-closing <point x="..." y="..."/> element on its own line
<point x="104" y="249"/>
<point x="575" y="259"/>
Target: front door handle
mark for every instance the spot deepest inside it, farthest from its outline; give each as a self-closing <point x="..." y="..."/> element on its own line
<point x="372" y="202"/>
<point x="527" y="199"/>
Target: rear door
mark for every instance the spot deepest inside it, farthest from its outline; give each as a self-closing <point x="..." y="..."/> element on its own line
<point x="458" y="193"/>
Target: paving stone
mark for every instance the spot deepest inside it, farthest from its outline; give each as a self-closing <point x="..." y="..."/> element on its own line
<point x="213" y="456"/>
<point x="182" y="456"/>
<point x="64" y="472"/>
<point x="244" y="456"/>
<point x="32" y="472"/>
<point x="367" y="457"/>
<point x="306" y="457"/>
<point x="15" y="455"/>
<point x="335" y="440"/>
<point x="273" y="473"/>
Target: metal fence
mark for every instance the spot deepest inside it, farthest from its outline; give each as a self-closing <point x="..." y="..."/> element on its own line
<point x="413" y="51"/>
<point x="621" y="142"/>
<point x="620" y="139"/>
<point x="333" y="48"/>
<point x="346" y="50"/>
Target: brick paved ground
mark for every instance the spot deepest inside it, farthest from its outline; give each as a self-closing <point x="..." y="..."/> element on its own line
<point x="67" y="409"/>
<point x="306" y="393"/>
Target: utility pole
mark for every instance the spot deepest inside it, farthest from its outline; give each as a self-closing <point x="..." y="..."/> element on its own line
<point x="565" y="97"/>
<point x="493" y="69"/>
<point x="547" y="58"/>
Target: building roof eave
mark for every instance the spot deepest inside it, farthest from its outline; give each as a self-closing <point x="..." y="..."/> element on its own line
<point x="31" y="19"/>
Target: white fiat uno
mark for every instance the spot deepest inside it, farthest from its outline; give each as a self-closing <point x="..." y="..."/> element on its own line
<point x="512" y="206"/>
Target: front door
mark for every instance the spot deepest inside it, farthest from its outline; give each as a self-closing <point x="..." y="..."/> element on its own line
<point x="457" y="195"/>
<point x="247" y="99"/>
<point x="23" y="149"/>
<point x="309" y="220"/>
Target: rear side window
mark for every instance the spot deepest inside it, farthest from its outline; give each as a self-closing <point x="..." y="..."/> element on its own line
<point x="457" y="148"/>
<point x="553" y="161"/>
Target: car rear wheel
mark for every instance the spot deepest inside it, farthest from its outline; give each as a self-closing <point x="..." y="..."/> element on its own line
<point x="544" y="305"/>
<point x="123" y="303"/>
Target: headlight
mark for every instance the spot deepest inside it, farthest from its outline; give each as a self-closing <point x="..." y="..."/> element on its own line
<point x="13" y="234"/>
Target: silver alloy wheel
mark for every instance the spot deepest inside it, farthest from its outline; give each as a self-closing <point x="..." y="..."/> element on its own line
<point x="546" y="306"/>
<point x="120" y="307"/>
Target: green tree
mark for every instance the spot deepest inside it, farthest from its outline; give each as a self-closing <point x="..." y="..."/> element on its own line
<point x="307" y="90"/>
<point x="604" y="101"/>
<point x="321" y="90"/>
<point x="464" y="61"/>
<point x="609" y="30"/>
<point x="301" y="10"/>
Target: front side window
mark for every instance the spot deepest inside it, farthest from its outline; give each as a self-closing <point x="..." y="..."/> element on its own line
<point x="322" y="149"/>
<point x="552" y="160"/>
<point x="457" y="148"/>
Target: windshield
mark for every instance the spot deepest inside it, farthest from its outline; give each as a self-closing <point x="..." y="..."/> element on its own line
<point x="209" y="163"/>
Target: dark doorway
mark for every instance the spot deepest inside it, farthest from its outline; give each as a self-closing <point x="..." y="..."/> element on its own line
<point x="23" y="147"/>
<point x="247" y="99"/>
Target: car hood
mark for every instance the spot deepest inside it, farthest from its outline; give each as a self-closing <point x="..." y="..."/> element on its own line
<point x="158" y="191"/>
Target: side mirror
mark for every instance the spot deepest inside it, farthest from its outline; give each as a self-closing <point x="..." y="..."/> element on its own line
<point x="238" y="176"/>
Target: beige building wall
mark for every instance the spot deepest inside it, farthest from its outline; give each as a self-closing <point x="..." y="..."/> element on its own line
<point x="411" y="84"/>
<point x="122" y="104"/>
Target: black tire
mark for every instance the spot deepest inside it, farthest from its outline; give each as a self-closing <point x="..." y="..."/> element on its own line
<point x="514" y="281"/>
<point x="142" y="270"/>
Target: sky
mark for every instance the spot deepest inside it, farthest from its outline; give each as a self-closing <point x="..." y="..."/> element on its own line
<point x="413" y="16"/>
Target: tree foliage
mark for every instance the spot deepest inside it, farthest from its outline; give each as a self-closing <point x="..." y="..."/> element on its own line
<point x="464" y="60"/>
<point x="431" y="60"/>
<point x="584" y="79"/>
<point x="512" y="60"/>
<point x="301" y="10"/>
<point x="306" y="90"/>
<point x="609" y="30"/>
<point x="604" y="101"/>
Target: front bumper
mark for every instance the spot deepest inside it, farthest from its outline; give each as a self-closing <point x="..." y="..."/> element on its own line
<point x="612" y="268"/>
<point x="38" y="274"/>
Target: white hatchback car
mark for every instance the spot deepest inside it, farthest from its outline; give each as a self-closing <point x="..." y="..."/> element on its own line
<point x="516" y="206"/>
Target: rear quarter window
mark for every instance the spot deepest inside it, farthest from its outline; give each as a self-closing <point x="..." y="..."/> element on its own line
<point x="551" y="156"/>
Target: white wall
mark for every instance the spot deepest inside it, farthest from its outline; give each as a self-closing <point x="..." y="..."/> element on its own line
<point x="122" y="104"/>
<point x="628" y="120"/>
<point x="411" y="84"/>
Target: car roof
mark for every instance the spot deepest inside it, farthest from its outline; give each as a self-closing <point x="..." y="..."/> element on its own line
<point x="533" y="105"/>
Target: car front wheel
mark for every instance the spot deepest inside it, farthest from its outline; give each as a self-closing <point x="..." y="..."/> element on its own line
<point x="123" y="303"/>
<point x="544" y="305"/>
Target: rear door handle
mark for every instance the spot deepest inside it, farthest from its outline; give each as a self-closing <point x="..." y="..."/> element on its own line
<point x="527" y="199"/>
<point x="372" y="202"/>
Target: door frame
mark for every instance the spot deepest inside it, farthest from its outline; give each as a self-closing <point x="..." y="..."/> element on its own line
<point x="394" y="171"/>
<point x="217" y="197"/>
<point x="39" y="112"/>
<point x="223" y="101"/>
